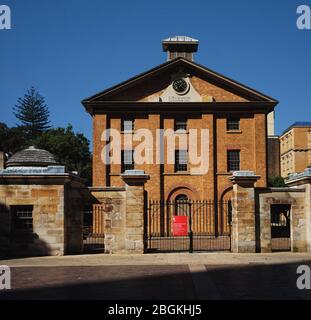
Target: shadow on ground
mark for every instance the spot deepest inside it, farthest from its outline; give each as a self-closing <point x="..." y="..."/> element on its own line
<point x="151" y="282"/>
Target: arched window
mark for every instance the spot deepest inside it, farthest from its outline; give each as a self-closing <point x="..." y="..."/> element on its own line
<point x="181" y="205"/>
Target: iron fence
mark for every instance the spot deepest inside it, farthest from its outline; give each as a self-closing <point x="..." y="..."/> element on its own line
<point x="208" y="225"/>
<point x="280" y="227"/>
<point x="93" y="229"/>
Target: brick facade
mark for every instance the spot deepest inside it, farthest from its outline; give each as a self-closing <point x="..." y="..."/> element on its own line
<point x="228" y="100"/>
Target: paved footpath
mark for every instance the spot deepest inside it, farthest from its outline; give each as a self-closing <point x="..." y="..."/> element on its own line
<point x="158" y="276"/>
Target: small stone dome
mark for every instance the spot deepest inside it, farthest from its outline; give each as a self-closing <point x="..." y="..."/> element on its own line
<point x="31" y="157"/>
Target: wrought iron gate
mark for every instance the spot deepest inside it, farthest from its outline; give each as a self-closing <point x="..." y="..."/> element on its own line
<point x="208" y="226"/>
<point x="280" y="227"/>
<point x="93" y="229"/>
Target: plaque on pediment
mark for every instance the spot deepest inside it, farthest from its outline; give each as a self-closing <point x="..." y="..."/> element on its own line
<point x="180" y="90"/>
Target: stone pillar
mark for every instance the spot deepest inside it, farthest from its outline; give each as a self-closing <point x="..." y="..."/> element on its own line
<point x="301" y="214"/>
<point x="243" y="212"/>
<point x="134" y="210"/>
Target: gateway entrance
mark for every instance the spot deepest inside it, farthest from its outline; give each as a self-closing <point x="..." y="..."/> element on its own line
<point x="187" y="225"/>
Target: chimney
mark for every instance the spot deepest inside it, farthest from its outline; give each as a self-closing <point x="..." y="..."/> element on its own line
<point x="180" y="46"/>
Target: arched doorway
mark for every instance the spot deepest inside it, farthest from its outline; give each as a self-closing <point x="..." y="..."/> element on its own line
<point x="177" y="192"/>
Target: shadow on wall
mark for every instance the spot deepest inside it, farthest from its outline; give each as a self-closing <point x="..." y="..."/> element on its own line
<point x="18" y="244"/>
<point x="152" y="282"/>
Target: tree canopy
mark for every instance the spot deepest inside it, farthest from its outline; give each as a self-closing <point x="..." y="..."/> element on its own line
<point x="32" y="112"/>
<point x="70" y="149"/>
<point x="12" y="139"/>
<point x="276" y="181"/>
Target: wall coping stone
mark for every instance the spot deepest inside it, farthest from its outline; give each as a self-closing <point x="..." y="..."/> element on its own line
<point x="300" y="178"/>
<point x="281" y="189"/>
<point x="33" y="170"/>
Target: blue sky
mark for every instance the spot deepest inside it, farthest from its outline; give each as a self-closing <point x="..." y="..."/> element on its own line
<point x="72" y="49"/>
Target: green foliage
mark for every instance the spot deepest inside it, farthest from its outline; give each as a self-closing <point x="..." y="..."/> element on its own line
<point x="70" y="149"/>
<point x="32" y="112"/>
<point x="276" y="181"/>
<point x="13" y="139"/>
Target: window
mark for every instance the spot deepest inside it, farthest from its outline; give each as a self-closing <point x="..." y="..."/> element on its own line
<point x="233" y="160"/>
<point x="233" y="124"/>
<point x="22" y="219"/>
<point x="181" y="205"/>
<point x="181" y="160"/>
<point x="127" y="124"/>
<point x="181" y="124"/>
<point x="127" y="160"/>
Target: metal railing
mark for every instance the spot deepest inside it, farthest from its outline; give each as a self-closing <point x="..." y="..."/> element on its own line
<point x="208" y="225"/>
<point x="93" y="229"/>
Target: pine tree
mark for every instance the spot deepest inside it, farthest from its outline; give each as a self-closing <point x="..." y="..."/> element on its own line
<point x="32" y="112"/>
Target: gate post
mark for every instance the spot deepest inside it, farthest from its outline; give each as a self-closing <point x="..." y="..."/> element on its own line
<point x="134" y="210"/>
<point x="301" y="212"/>
<point x="243" y="214"/>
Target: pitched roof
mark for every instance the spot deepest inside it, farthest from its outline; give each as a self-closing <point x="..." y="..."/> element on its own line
<point x="217" y="77"/>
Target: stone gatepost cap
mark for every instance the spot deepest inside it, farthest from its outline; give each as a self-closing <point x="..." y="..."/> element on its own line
<point x="244" y="176"/>
<point x="135" y="175"/>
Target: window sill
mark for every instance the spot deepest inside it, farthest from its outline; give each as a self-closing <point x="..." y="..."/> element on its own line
<point x="233" y="131"/>
<point x="181" y="131"/>
<point x="180" y="173"/>
<point x="224" y="173"/>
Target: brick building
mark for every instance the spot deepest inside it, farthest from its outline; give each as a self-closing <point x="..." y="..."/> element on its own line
<point x="163" y="205"/>
<point x="182" y="95"/>
<point x="295" y="147"/>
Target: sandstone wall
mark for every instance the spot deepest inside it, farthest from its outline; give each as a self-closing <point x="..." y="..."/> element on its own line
<point x="296" y="199"/>
<point x="48" y="220"/>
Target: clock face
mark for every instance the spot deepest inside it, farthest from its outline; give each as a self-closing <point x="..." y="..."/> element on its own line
<point x="180" y="85"/>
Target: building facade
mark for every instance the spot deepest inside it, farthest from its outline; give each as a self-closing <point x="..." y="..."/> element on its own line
<point x="181" y="95"/>
<point x="295" y="148"/>
<point x="181" y="160"/>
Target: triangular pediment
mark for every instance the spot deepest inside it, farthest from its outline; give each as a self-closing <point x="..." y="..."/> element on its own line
<point x="156" y="85"/>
